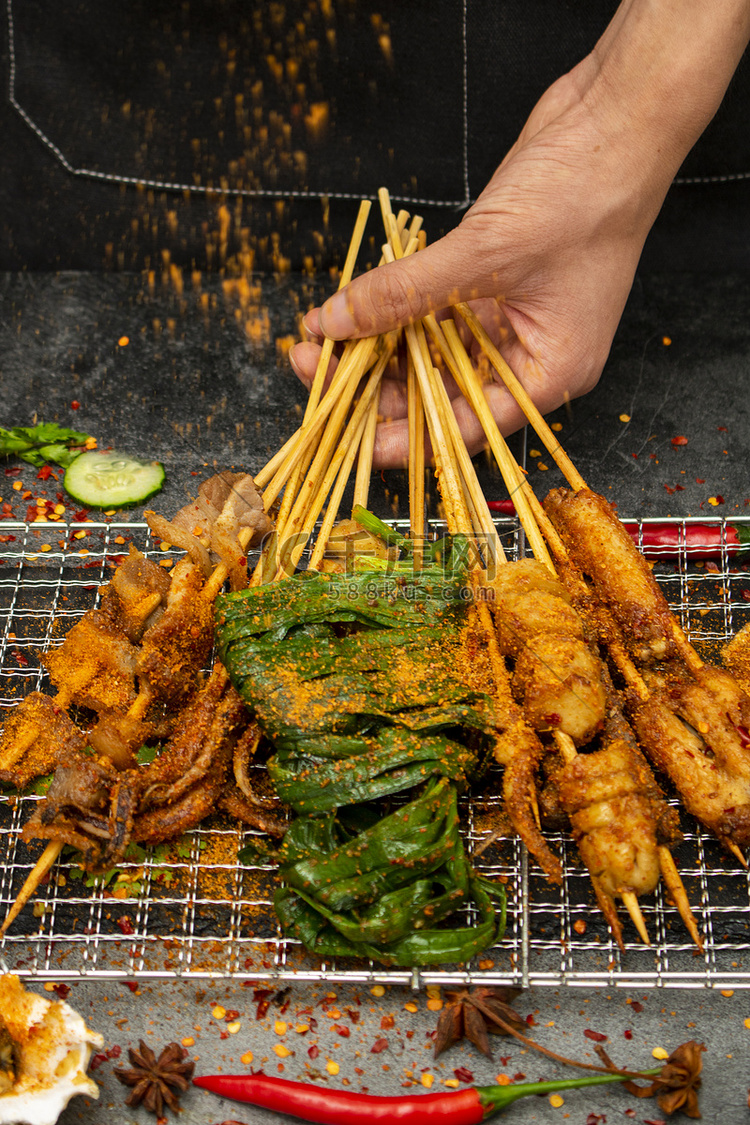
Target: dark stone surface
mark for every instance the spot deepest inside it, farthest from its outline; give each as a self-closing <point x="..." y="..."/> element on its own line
<point x="203" y="383"/>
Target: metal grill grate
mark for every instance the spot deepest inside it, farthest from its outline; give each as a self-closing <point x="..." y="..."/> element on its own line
<point x="194" y="911"/>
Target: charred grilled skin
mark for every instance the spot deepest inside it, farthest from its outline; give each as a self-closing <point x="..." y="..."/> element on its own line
<point x="175" y="649"/>
<point x="692" y="729"/>
<point x="617" y="816"/>
<point x="100" y="810"/>
<point x="212" y="755"/>
<point x="603" y="551"/>
<point x="558" y="677"/>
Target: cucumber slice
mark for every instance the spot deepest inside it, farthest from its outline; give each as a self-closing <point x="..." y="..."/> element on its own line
<point x="108" y="479"/>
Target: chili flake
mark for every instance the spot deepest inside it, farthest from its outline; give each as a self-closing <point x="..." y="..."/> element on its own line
<point x="332" y="1067"/>
<point x="660" y="1053"/>
<point x="378" y="1046"/>
<point x="555" y="1100"/>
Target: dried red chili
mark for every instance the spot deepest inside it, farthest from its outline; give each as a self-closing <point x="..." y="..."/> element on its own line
<point x="669" y="540"/>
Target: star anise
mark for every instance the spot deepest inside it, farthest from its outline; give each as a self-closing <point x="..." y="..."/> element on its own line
<point x="154" y="1081"/>
<point x="473" y="1013"/>
<point x="678" y="1082"/>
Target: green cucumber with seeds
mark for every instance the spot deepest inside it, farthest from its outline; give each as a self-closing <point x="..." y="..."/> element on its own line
<point x="108" y="479"/>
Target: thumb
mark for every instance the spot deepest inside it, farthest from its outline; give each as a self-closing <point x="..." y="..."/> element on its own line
<point x="450" y="270"/>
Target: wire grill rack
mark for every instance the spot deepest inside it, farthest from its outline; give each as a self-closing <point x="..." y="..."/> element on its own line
<point x="195" y="911"/>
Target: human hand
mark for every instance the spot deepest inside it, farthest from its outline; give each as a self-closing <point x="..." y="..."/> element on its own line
<point x="548" y="252"/>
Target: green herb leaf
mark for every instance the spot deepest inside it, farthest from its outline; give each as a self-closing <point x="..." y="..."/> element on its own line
<point x="42" y="443"/>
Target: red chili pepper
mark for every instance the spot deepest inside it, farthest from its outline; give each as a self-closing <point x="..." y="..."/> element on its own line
<point x="670" y="540"/>
<point x="345" y="1107"/>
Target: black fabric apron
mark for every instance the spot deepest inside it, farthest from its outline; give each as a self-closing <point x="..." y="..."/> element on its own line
<point x="150" y="132"/>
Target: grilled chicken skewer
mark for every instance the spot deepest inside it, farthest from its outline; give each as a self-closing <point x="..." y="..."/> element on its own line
<point x="448" y="340"/>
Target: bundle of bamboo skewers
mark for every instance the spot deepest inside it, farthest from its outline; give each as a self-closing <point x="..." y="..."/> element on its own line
<point x="662" y="697"/>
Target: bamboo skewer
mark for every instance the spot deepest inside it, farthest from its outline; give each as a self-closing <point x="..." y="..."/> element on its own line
<point x="356" y="358"/>
<point x="364" y="460"/>
<point x="416" y="423"/>
<point x="340" y="466"/>
<point x="312" y="493"/>
<point x="316" y="389"/>
<point x="521" y="396"/>
<point x="326" y="351"/>
<point x="42" y="867"/>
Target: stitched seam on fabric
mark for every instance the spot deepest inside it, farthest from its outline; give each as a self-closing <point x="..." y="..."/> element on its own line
<point x="465" y="35"/>
<point x="725" y="179"/>
<point x="209" y="190"/>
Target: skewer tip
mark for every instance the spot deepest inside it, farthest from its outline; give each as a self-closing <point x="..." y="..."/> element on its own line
<point x="735" y="850"/>
<point x="634" y="910"/>
<point x="675" y="886"/>
<point x="44" y="864"/>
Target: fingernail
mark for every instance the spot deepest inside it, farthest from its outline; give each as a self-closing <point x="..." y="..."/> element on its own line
<point x="307" y="325"/>
<point x="293" y="362"/>
<point x="336" y="319"/>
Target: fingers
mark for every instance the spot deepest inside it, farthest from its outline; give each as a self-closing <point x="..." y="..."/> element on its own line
<point x="303" y="359"/>
<point x="401" y="292"/>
